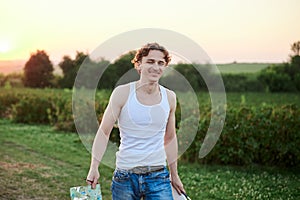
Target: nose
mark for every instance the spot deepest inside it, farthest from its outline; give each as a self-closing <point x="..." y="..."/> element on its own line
<point x="156" y="67"/>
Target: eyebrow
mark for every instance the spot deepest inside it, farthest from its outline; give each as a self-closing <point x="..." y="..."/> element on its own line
<point x="152" y="59"/>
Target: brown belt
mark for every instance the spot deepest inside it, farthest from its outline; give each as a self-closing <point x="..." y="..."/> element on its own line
<point x="145" y="169"/>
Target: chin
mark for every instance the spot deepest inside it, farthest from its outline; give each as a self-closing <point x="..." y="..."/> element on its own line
<point x="153" y="80"/>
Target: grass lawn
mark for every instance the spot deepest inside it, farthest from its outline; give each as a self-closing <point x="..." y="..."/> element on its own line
<point x="38" y="162"/>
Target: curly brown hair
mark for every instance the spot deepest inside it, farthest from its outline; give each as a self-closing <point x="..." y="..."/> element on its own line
<point x="144" y="51"/>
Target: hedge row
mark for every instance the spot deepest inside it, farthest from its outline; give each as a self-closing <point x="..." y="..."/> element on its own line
<point x="264" y="135"/>
<point x="267" y="135"/>
<point x="46" y="106"/>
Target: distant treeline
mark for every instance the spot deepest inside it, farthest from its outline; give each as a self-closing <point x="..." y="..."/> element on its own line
<point x="38" y="73"/>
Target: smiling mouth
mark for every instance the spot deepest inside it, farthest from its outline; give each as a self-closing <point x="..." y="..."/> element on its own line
<point x="154" y="72"/>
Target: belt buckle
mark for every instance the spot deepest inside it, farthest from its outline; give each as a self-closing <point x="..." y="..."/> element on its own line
<point x="139" y="170"/>
<point x="144" y="169"/>
<point x="136" y="170"/>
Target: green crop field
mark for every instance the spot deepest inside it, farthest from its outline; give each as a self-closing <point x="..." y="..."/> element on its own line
<point x="234" y="68"/>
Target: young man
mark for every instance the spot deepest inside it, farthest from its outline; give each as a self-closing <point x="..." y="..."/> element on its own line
<point x="145" y="112"/>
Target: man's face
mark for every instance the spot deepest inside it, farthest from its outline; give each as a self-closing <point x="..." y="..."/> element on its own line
<point x="153" y="65"/>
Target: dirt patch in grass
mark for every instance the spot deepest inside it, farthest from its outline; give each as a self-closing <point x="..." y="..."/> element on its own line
<point x="15" y="186"/>
<point x="19" y="167"/>
<point x="23" y="180"/>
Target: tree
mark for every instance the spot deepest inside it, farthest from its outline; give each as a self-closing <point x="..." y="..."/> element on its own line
<point x="296" y="48"/>
<point x="67" y="65"/>
<point x="116" y="73"/>
<point x="295" y="63"/>
<point x="90" y="73"/>
<point x="2" y="80"/>
<point x="278" y="78"/>
<point x="70" y="68"/>
<point x="194" y="74"/>
<point x="38" y="70"/>
<point x="283" y="77"/>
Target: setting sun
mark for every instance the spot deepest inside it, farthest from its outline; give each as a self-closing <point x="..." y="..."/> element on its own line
<point x="5" y="46"/>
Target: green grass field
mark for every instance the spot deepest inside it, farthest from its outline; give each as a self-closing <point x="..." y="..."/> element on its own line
<point x="38" y="162"/>
<point x="234" y="68"/>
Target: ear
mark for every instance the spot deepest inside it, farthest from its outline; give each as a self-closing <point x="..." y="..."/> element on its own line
<point x="138" y="67"/>
<point x="139" y="63"/>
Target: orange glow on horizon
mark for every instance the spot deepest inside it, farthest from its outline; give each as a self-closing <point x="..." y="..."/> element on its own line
<point x="227" y="30"/>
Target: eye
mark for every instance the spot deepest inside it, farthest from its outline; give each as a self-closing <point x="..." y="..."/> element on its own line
<point x="161" y="63"/>
<point x="150" y="61"/>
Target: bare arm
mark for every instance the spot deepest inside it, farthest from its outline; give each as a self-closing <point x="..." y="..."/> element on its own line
<point x="110" y="116"/>
<point x="171" y="146"/>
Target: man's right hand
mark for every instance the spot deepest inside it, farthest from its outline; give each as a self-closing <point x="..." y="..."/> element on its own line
<point x="92" y="177"/>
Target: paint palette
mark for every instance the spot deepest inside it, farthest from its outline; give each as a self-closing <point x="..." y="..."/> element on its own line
<point x="85" y="193"/>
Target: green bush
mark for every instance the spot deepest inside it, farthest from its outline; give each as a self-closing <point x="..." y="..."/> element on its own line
<point x="280" y="77"/>
<point x="242" y="83"/>
<point x="32" y="109"/>
<point x="61" y="116"/>
<point x="266" y="135"/>
<point x="297" y="81"/>
<point x="7" y="99"/>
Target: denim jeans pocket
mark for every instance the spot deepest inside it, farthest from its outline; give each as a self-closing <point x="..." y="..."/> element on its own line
<point x="120" y="176"/>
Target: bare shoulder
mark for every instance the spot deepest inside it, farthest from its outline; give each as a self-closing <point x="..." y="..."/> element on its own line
<point x="171" y="97"/>
<point x="120" y="94"/>
<point x="122" y="89"/>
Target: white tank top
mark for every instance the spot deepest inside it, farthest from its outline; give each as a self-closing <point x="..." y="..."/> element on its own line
<point x="142" y="130"/>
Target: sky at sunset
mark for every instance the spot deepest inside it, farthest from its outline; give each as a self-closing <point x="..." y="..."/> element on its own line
<point x="228" y="30"/>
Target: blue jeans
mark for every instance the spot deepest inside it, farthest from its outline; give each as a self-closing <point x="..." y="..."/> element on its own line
<point x="150" y="186"/>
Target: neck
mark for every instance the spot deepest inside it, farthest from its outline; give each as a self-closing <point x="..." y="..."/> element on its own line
<point x="149" y="87"/>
